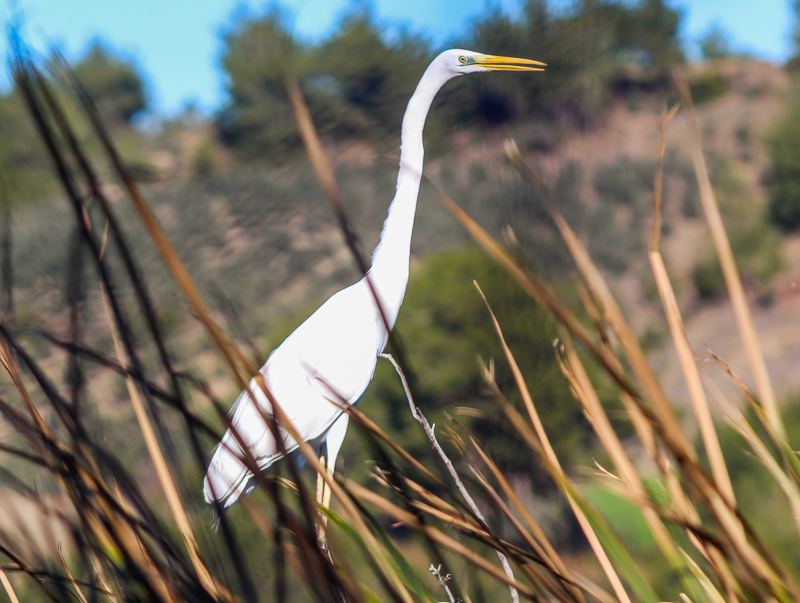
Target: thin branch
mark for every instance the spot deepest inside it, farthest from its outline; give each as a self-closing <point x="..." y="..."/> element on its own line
<point x="443" y="580"/>
<point x="417" y="413"/>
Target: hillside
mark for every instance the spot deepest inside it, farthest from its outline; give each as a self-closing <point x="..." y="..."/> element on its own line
<point x="264" y="239"/>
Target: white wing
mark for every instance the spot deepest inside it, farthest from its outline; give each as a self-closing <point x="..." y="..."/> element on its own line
<point x="335" y="350"/>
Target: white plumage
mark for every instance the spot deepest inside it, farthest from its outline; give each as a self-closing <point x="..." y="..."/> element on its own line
<point x="336" y="349"/>
<point x="302" y="378"/>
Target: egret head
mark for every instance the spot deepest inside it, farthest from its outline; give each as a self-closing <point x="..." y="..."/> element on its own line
<point x="461" y="62"/>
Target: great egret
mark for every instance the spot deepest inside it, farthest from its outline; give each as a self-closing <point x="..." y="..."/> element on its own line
<point x="333" y="353"/>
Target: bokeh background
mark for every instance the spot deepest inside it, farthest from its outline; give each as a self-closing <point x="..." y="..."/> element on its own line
<point x="192" y="93"/>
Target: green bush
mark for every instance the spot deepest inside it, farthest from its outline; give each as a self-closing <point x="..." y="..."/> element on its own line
<point x="114" y="83"/>
<point x="708" y="279"/>
<point x="715" y="43"/>
<point x="204" y="158"/>
<point x="783" y="176"/>
<point x="447" y="328"/>
<point x="759" y="497"/>
<point x="708" y="86"/>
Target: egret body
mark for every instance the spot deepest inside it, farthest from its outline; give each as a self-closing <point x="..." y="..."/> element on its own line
<point x="330" y="359"/>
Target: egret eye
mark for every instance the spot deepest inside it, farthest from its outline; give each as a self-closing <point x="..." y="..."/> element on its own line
<point x="462" y="59"/>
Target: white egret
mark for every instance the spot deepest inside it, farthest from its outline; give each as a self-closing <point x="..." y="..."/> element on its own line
<point x="336" y="348"/>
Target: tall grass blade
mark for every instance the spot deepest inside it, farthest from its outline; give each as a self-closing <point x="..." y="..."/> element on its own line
<point x="681" y="342"/>
<point x="741" y="309"/>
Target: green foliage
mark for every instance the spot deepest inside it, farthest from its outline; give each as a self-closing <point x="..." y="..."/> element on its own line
<point x="113" y="82"/>
<point x="653" y="27"/>
<point x="708" y="279"/>
<point x="446" y="328"/>
<point x="708" y="86"/>
<point x="783" y="178"/>
<point x="358" y="80"/>
<point x="755" y="245"/>
<point x="715" y="44"/>
<point x="25" y="169"/>
<point x="118" y="91"/>
<point x="758" y="495"/>
<point x="373" y="78"/>
<point x="585" y="48"/>
<point x="258" y="120"/>
<point x="204" y="159"/>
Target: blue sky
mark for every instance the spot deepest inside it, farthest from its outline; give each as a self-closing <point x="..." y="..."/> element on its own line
<point x="177" y="42"/>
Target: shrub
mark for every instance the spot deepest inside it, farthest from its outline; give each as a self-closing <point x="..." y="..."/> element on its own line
<point x="446" y="325"/>
<point x="708" y="86"/>
<point x="783" y="176"/>
<point x="113" y="82"/>
<point x="708" y="279"/>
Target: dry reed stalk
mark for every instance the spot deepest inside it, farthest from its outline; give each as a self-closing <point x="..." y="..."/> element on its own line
<point x="585" y="393"/>
<point x="7" y="586"/>
<point x="534" y="535"/>
<point x="692" y="378"/>
<point x="411" y="520"/>
<point x="555" y="466"/>
<point x="787" y="485"/>
<point x="658" y="185"/>
<point x="666" y="424"/>
<point x="236" y="360"/>
<point x="707" y="585"/>
<point x="670" y="429"/>
<point x="111" y="532"/>
<point x="683" y="349"/>
<point x="540" y="544"/>
<point x="417" y="414"/>
<point x="546" y="580"/>
<point x="77" y="588"/>
<point x="160" y="463"/>
<point x="741" y="308"/>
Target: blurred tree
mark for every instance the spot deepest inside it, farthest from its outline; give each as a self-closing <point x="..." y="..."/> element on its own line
<point x="585" y="49"/>
<point x="358" y="81"/>
<point x="114" y="83"/>
<point x="25" y="168"/>
<point x="793" y="64"/>
<point x="715" y="43"/>
<point x="653" y="29"/>
<point x="258" y="121"/>
<point x="783" y="176"/>
<point x="491" y="101"/>
<point x="374" y="78"/>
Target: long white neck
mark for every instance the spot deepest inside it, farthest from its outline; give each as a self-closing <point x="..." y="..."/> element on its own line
<point x="390" y="260"/>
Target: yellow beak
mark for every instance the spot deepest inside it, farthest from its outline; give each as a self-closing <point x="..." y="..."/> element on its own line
<point x="494" y="63"/>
